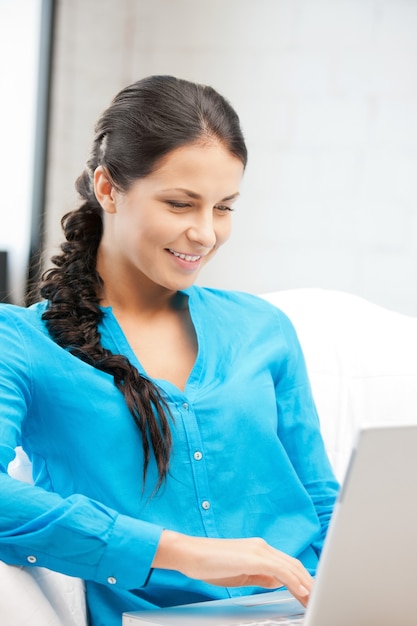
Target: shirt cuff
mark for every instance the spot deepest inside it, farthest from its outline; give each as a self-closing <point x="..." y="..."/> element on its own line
<point x="127" y="560"/>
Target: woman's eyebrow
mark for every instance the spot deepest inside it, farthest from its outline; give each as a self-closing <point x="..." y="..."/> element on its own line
<point x="232" y="197"/>
<point x="197" y="196"/>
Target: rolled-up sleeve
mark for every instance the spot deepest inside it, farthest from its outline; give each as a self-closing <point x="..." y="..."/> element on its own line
<point x="75" y="535"/>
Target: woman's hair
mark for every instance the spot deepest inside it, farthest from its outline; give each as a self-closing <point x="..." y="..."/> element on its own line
<point x="144" y="122"/>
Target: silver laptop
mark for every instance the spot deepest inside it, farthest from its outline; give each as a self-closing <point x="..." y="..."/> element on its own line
<point x="367" y="574"/>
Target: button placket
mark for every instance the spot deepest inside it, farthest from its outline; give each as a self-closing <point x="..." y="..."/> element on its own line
<point x="198" y="469"/>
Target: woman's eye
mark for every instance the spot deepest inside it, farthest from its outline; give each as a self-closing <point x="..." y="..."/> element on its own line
<point x="223" y="208"/>
<point x="178" y="205"/>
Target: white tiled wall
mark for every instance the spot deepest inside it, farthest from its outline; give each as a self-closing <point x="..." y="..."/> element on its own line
<point x="327" y="95"/>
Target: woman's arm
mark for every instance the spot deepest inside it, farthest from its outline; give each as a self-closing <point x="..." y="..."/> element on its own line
<point x="299" y="431"/>
<point x="233" y="563"/>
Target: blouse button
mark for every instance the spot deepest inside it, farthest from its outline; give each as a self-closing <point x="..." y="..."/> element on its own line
<point x="198" y="456"/>
<point x="185" y="406"/>
<point x="31" y="559"/>
<point x="111" y="580"/>
<point x="205" y="505"/>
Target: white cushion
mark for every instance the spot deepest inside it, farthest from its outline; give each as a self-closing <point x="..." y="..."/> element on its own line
<point x="37" y="596"/>
<point x="361" y="360"/>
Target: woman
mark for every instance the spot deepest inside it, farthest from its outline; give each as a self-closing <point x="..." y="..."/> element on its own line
<point x="175" y="444"/>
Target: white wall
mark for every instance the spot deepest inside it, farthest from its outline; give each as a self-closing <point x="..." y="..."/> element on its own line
<point x="327" y="95"/>
<point x="19" y="53"/>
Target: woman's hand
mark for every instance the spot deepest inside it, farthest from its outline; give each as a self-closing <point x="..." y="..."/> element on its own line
<point x="233" y="563"/>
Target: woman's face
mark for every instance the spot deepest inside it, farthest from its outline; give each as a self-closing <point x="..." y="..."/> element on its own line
<point x="168" y="225"/>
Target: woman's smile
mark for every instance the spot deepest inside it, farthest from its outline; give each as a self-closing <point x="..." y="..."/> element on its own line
<point x="186" y="262"/>
<point x="186" y="257"/>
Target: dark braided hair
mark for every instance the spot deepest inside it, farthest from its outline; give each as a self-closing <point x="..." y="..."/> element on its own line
<point x="144" y="122"/>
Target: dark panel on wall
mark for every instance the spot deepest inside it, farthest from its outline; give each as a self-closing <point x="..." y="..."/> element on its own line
<point x="4" y="284"/>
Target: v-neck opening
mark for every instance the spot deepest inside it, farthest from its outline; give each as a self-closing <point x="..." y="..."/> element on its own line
<point x="111" y="323"/>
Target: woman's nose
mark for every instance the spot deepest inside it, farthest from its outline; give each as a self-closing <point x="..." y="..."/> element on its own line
<point x="202" y="230"/>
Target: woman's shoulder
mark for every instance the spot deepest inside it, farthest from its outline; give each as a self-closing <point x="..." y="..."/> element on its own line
<point x="236" y="302"/>
<point x="249" y="311"/>
<point x="13" y="315"/>
<point x="234" y="297"/>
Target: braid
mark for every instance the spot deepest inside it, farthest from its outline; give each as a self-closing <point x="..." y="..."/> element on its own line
<point x="73" y="316"/>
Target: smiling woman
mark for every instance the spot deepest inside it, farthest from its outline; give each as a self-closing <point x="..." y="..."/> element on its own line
<point x="176" y="447"/>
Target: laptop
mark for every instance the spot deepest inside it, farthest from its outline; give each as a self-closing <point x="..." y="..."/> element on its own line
<point x="367" y="574"/>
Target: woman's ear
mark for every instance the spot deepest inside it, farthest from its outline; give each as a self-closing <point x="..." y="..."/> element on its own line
<point x="104" y="190"/>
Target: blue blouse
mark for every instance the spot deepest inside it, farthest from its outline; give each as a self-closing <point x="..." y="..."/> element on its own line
<point x="248" y="458"/>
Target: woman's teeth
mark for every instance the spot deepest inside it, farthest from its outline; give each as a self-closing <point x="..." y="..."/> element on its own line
<point x="186" y="257"/>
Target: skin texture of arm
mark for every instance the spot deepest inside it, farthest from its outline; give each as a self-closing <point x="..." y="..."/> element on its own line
<point x="233" y="563"/>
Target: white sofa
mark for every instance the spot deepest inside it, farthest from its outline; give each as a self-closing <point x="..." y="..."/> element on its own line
<point x="362" y="362"/>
